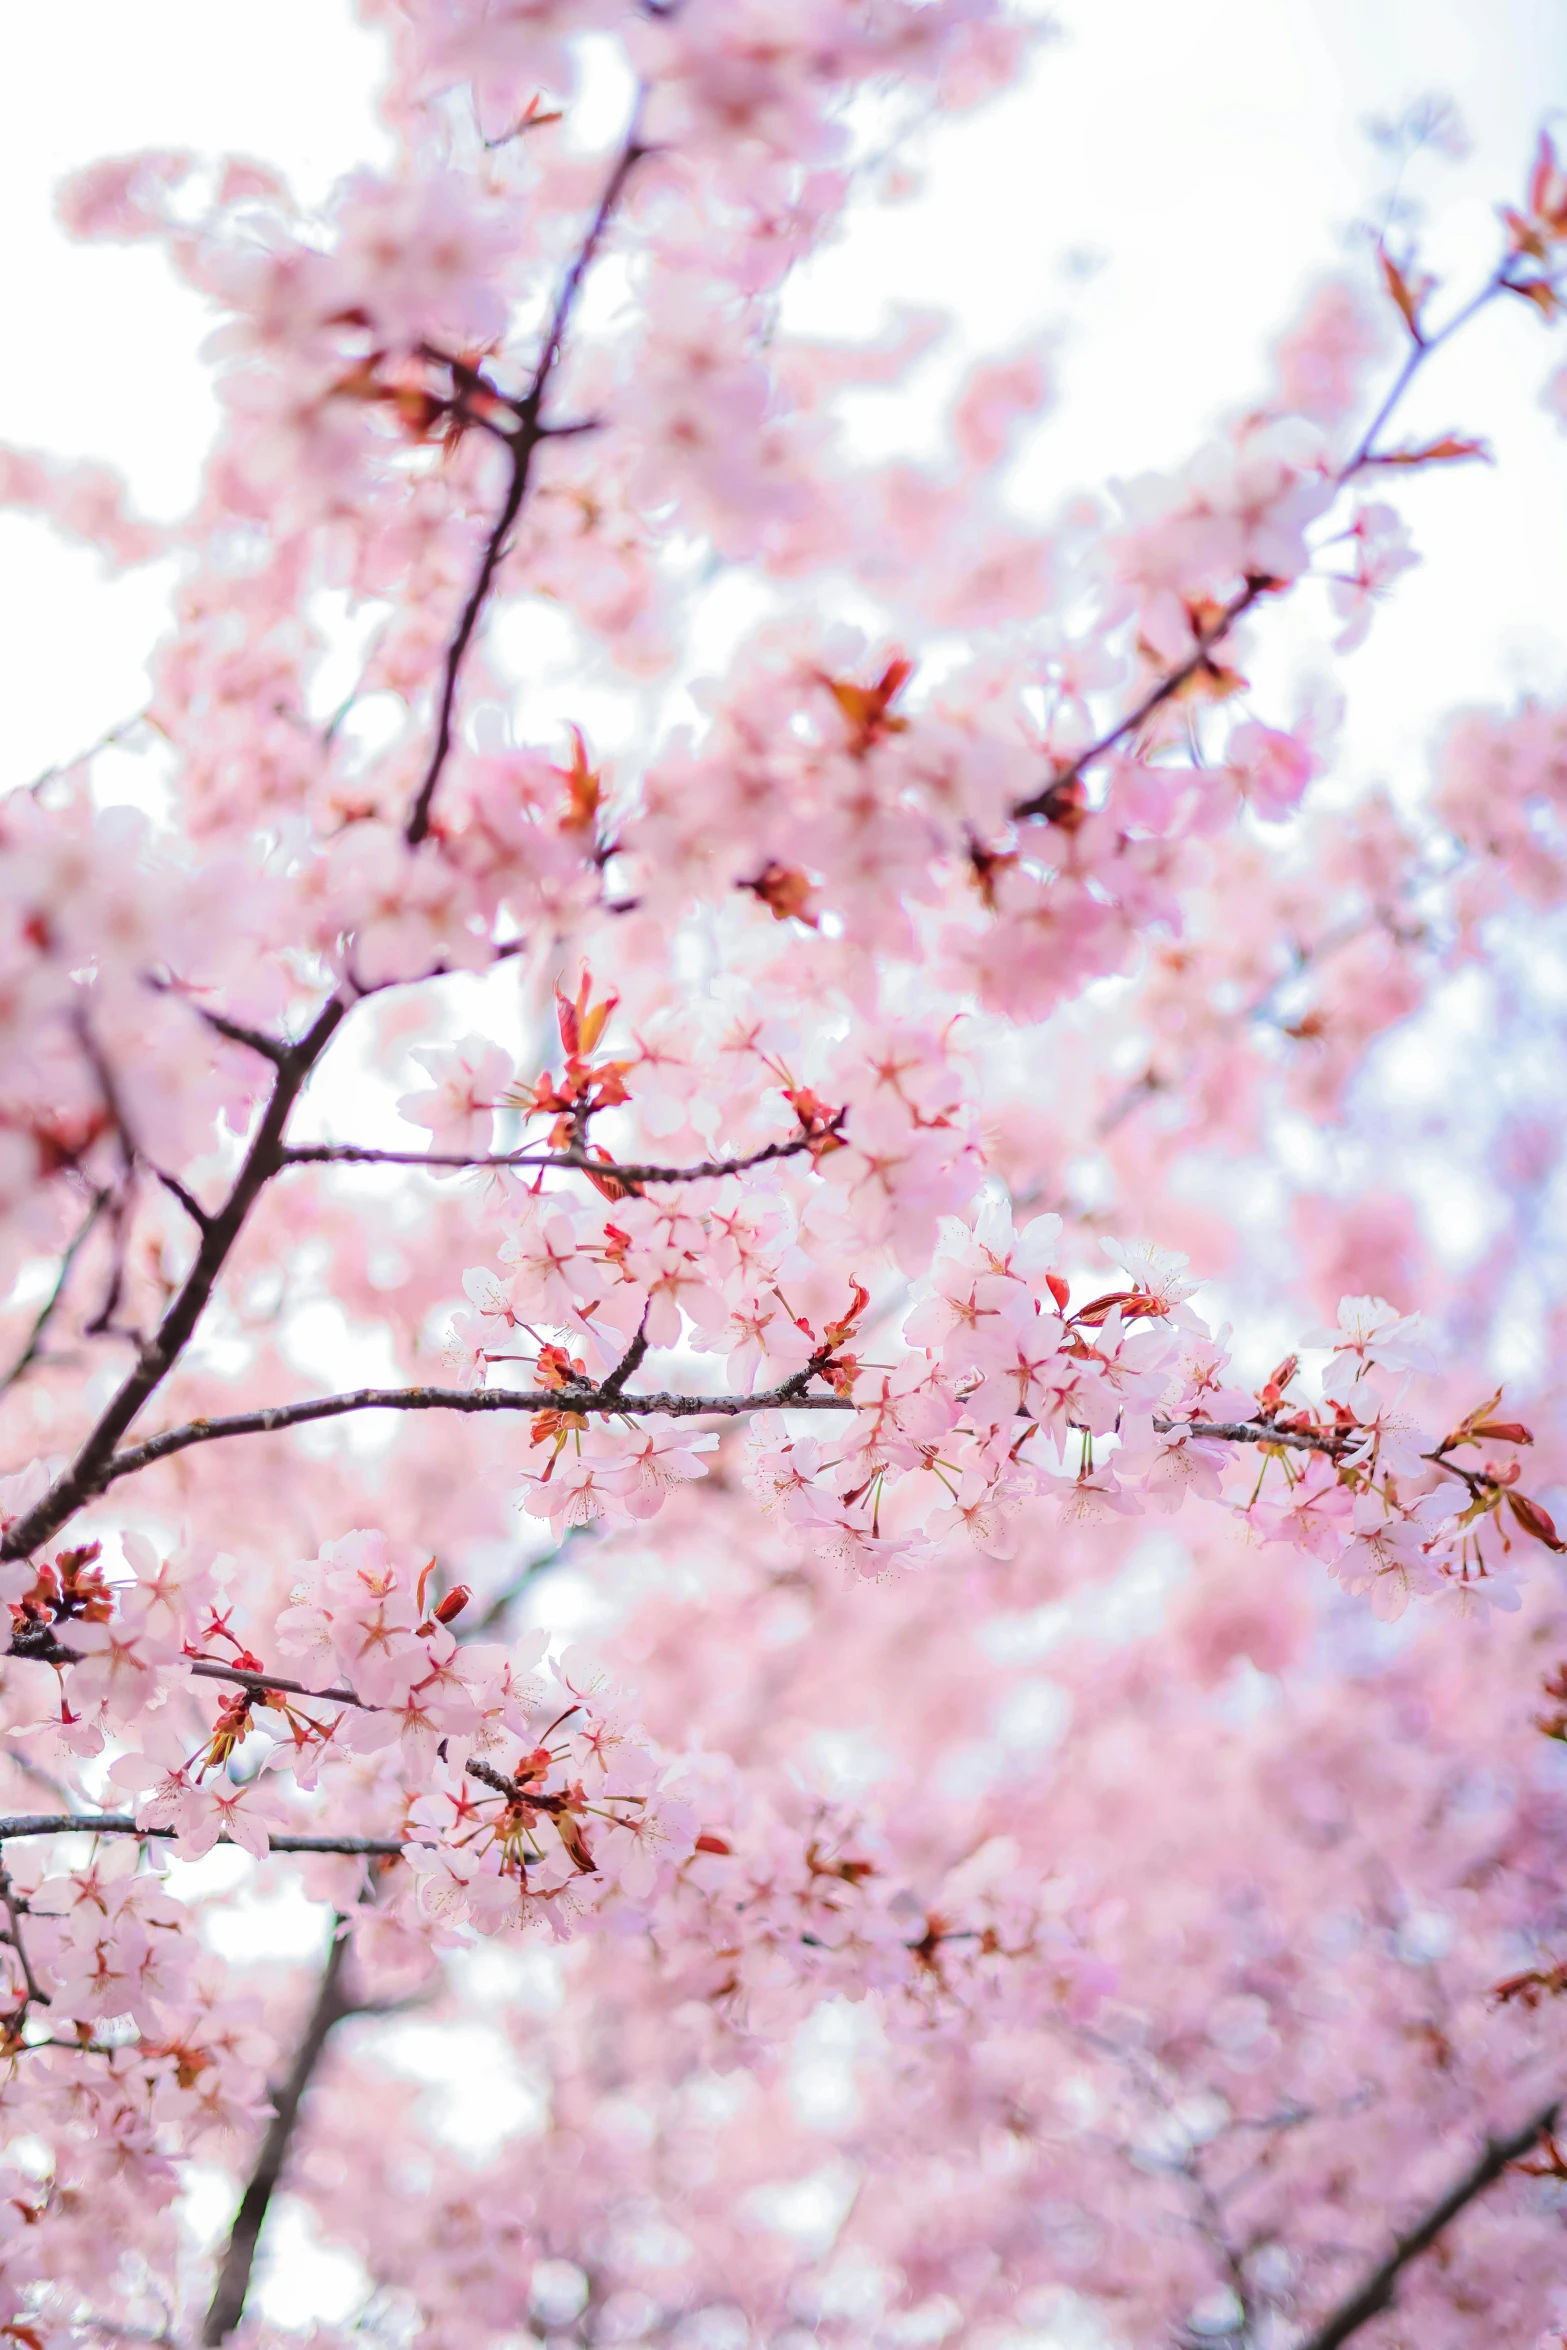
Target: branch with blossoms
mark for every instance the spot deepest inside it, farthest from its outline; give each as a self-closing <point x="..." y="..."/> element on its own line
<point x="1529" y="268"/>
<point x="588" y="1083"/>
<point x="901" y="1377"/>
<point x="576" y="1399"/>
<point x="522" y="441"/>
<point x="1526" y="271"/>
<point x="623" y="1175"/>
<point x="158" y="1354"/>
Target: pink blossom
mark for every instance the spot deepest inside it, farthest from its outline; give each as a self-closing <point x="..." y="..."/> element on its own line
<point x="471" y="1078"/>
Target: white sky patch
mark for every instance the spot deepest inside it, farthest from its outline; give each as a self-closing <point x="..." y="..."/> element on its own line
<point x="480" y="2095"/>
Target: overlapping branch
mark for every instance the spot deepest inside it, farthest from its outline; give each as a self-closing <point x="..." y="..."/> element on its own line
<point x="34" y="1994"/>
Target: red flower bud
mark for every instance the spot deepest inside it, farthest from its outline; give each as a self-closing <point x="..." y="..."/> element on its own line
<point x="1535" y="1520"/>
<point x="453" y="1604"/>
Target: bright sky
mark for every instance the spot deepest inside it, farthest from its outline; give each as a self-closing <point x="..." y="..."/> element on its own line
<point x="1157" y="196"/>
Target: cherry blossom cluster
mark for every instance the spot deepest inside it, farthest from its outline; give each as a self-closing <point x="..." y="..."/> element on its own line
<point x="709" y="1156"/>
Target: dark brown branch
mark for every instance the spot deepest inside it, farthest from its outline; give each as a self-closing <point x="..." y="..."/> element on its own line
<point x="92" y="1468"/>
<point x="275" y="1049"/>
<point x="1376" y="2293"/>
<point x="630" y="1361"/>
<point x="208" y="1669"/>
<point x="51" y="1304"/>
<point x="523" y="442"/>
<point x="333" y="2003"/>
<point x="187" y="1199"/>
<point x="579" y="1400"/>
<point x="349" y="1154"/>
<point x="119" y="1201"/>
<point x="14" y="1909"/>
<point x="112" y="1823"/>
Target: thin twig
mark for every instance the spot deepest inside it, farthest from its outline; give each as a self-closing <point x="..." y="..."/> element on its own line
<point x="187" y="1199"/>
<point x="630" y="1361"/>
<point x="51" y="1304"/>
<point x="105" y="742"/>
<point x="275" y="1049"/>
<point x="474" y="1627"/>
<point x="1420" y="350"/>
<point x="1334" y="1442"/>
<point x="527" y="437"/>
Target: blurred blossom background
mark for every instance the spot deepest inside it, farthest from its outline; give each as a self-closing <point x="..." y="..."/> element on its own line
<point x="1147" y="211"/>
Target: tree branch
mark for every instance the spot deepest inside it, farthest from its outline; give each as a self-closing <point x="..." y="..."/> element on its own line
<point x="208" y="1669"/>
<point x="1332" y="1441"/>
<point x="579" y="1401"/>
<point x="332" y="2004"/>
<point x="92" y="1468"/>
<point x="271" y="1048"/>
<point x="51" y="1304"/>
<point x="112" y="1823"/>
<point x="529" y="433"/>
<point x="1376" y="2292"/>
<point x="32" y="1988"/>
<point x="1044" y="801"/>
<point x="349" y="1154"/>
<point x="187" y="1199"/>
<point x="629" y="1362"/>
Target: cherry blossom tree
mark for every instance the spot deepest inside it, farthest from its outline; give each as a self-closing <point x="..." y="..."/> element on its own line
<point x="819" y="1215"/>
